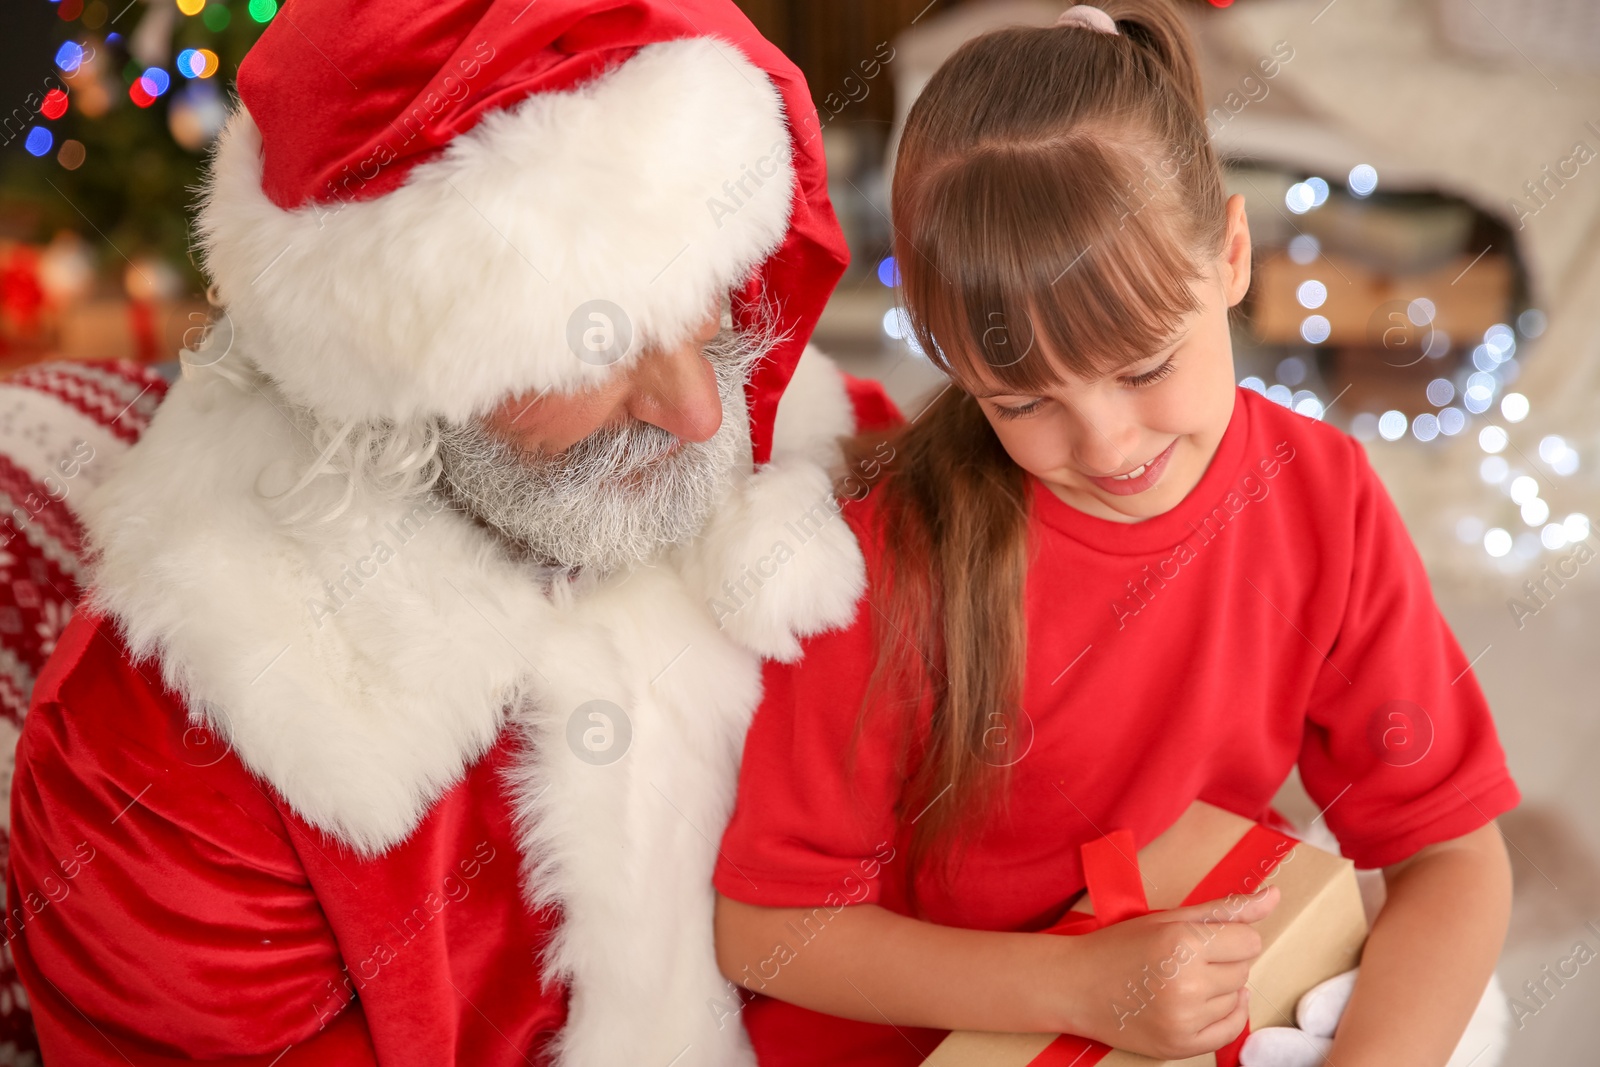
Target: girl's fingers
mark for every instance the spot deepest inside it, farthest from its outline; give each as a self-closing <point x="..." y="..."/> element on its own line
<point x="1226" y="979"/>
<point x="1230" y="1025"/>
<point x="1234" y="909"/>
<point x="1231" y="943"/>
<point x="1245" y="909"/>
<point x="1218" y="1008"/>
<point x="1223" y="942"/>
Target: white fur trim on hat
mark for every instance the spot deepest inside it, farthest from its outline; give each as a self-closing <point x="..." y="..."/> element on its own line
<point x="654" y="188"/>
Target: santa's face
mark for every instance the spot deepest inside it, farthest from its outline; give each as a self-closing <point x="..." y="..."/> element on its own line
<point x="605" y="478"/>
<point x="672" y="388"/>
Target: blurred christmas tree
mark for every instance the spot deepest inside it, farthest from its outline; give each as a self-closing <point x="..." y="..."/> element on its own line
<point x="103" y="131"/>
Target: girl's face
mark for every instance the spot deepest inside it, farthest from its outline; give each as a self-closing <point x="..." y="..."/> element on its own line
<point x="1161" y="417"/>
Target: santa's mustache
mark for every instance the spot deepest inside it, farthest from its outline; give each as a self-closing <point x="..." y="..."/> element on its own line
<point x="615" y="497"/>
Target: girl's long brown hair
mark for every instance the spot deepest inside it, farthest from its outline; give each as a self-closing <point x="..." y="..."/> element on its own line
<point x="1055" y="193"/>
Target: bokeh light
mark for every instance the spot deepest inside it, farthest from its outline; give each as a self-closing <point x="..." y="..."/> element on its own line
<point x="894" y="324"/>
<point x="1523" y="488"/>
<point x="196" y="63"/>
<point x="1497" y="542"/>
<point x="38" y="141"/>
<point x="155" y="81"/>
<point x="1304" y="249"/>
<point x="1363" y="179"/>
<point x="69" y="56"/>
<point x="54" y="105"/>
<point x="1501" y="338"/>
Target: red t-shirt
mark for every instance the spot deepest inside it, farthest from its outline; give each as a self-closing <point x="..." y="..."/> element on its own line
<point x="1279" y="614"/>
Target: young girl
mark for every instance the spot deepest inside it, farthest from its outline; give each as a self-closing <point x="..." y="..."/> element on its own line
<point x="1103" y="582"/>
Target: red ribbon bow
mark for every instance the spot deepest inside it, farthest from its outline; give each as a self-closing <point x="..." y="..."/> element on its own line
<point x="1111" y="869"/>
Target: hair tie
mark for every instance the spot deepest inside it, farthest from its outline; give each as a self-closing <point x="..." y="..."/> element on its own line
<point x="1089" y="16"/>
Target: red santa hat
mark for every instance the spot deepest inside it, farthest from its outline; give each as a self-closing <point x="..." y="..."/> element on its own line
<point x="422" y="207"/>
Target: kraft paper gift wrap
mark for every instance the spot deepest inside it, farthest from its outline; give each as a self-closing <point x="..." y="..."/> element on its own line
<point x="1314" y="933"/>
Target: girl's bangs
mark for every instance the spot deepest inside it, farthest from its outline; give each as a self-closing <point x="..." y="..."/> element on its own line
<point x="1024" y="262"/>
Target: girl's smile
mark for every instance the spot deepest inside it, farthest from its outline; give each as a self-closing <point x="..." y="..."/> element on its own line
<point x="1140" y="478"/>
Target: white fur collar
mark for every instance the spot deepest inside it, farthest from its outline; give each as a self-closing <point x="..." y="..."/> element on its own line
<point x="362" y="703"/>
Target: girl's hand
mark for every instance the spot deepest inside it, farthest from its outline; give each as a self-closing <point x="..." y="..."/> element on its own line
<point x="1170" y="984"/>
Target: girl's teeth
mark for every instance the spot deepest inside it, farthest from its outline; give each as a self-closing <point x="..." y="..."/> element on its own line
<point x="1131" y="474"/>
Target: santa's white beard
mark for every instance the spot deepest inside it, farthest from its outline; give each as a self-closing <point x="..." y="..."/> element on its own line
<point x="615" y="498"/>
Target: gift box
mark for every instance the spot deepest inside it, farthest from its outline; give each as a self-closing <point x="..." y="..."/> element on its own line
<point x="1314" y="933"/>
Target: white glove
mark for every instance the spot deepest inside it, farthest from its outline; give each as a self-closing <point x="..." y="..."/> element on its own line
<point x="1318" y="1013"/>
<point x="1307" y="1042"/>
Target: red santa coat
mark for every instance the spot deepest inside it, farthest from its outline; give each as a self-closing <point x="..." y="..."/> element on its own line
<point x="362" y="789"/>
<point x="166" y="906"/>
<point x="169" y="900"/>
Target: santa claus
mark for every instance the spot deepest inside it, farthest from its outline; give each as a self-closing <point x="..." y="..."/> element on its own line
<point x="426" y="620"/>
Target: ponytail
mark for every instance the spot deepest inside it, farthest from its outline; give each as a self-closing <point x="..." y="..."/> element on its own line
<point x="1162" y="34"/>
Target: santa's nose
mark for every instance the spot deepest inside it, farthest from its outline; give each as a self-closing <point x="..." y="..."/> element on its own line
<point x="676" y="389"/>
